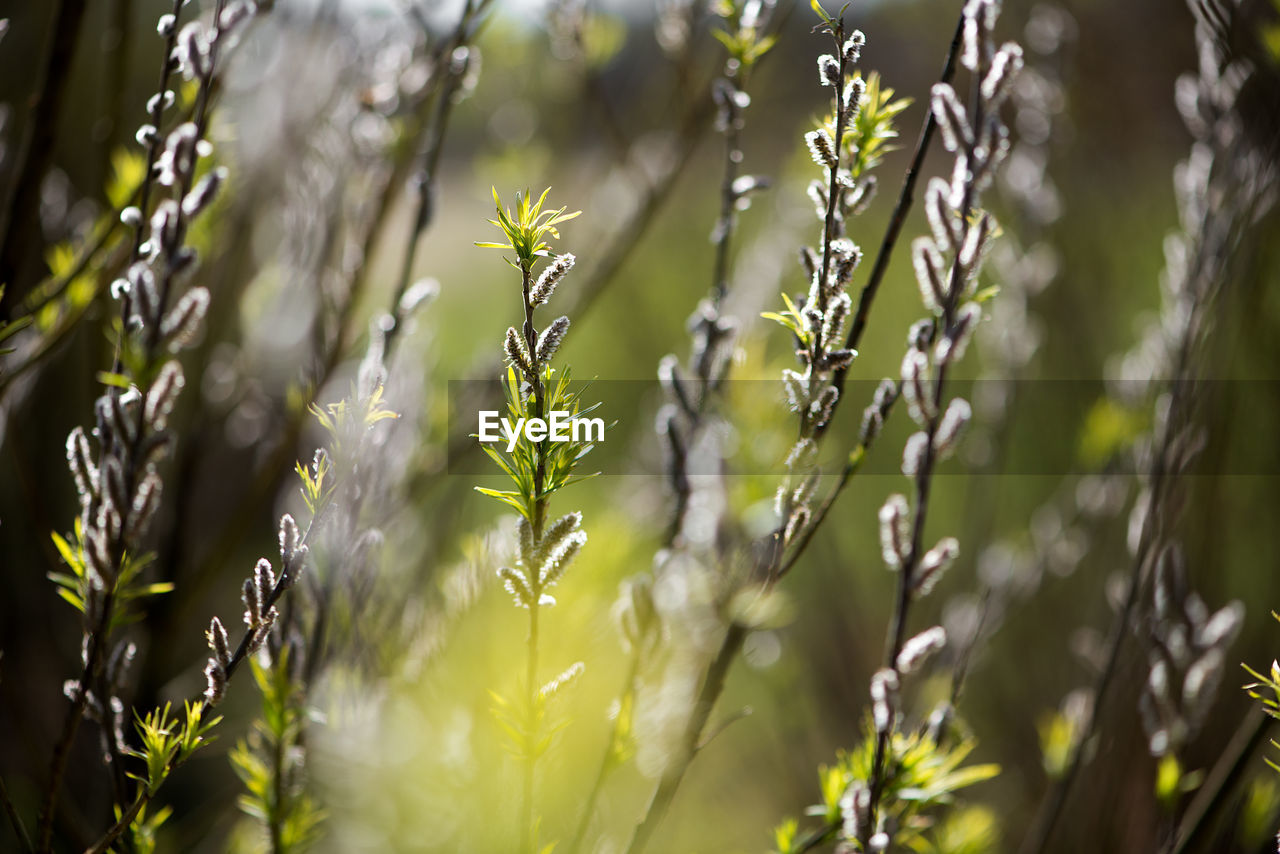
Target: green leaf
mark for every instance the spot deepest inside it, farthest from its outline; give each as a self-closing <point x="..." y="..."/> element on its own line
<point x="71" y="597"/>
<point x="68" y="554"/>
<point x="117" y="380"/>
<point x="1168" y="781"/>
<point x="10" y="329"/>
<point x="784" y="836"/>
<point x="986" y="294"/>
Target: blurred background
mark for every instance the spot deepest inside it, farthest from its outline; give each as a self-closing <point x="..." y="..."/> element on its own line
<point x="320" y="116"/>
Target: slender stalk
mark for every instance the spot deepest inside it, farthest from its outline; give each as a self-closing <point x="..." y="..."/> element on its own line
<point x="19" y="829"/>
<point x="829" y="235"/>
<point x="122" y="824"/>
<point x="906" y="197"/>
<point x="266" y="482"/>
<point x="20" y="237"/>
<point x="1226" y="772"/>
<point x="153" y="152"/>
<point x="852" y="463"/>
<point x="708" y="694"/>
<point x="924" y="476"/>
<point x="275" y="822"/>
<point x="429" y="157"/>
<point x="728" y="207"/>
<point x="703" y="364"/>
<point x="99" y="633"/>
<point x="528" y="823"/>
<point x="607" y="762"/>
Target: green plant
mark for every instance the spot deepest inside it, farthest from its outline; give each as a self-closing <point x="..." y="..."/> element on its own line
<point x="538" y="468"/>
<point x="923" y="771"/>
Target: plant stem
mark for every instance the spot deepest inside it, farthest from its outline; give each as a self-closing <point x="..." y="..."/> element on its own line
<point x="924" y="476"/>
<point x="70" y="725"/>
<point x="276" y="818"/>
<point x="19" y="829"/>
<point x="708" y="695"/>
<point x="728" y="205"/>
<point x="1225" y="774"/>
<point x="713" y="683"/>
<point x="20" y="236"/>
<point x="834" y="193"/>
<point x="527" y="823"/>
<point x="906" y="196"/>
<point x="537" y="394"/>
<point x="608" y="761"/>
<point x="429" y="156"/>
<point x="144" y="191"/>
<point x="122" y="824"/>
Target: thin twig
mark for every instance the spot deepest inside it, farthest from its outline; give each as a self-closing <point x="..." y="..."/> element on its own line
<point x="906" y="197"/>
<point x="708" y="694"/>
<point x="924" y="477"/>
<point x="454" y="71"/>
<point x="1223" y="777"/>
<point x="19" y="828"/>
<point x="608" y="761"/>
<point x="20" y="217"/>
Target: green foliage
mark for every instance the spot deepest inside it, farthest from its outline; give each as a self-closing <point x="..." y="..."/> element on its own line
<point x="128" y="168"/>
<point x="74" y="587"/>
<point x="558" y="458"/>
<point x="1261" y="800"/>
<point x="314" y="490"/>
<point x="1109" y="428"/>
<point x="870" y="136"/>
<point x="167" y="742"/>
<point x="602" y="37"/>
<point x="1266" y="688"/>
<point x="791" y="319"/>
<point x="144" y="828"/>
<point x="1269" y="35"/>
<point x="80" y="285"/>
<point x="1059" y="736"/>
<point x="969" y="830"/>
<point x="528" y="723"/>
<point x="784" y="836"/>
<point x="830" y="21"/>
<point x="1172" y="782"/>
<point x="268" y="764"/>
<point x="346" y="420"/>
<point x="527" y="228"/>
<point x="745" y="43"/>
<point x="76" y="270"/>
<point x="920" y="775"/>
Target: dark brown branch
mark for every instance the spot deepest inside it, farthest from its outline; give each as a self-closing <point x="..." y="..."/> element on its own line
<point x="20" y="237"/>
